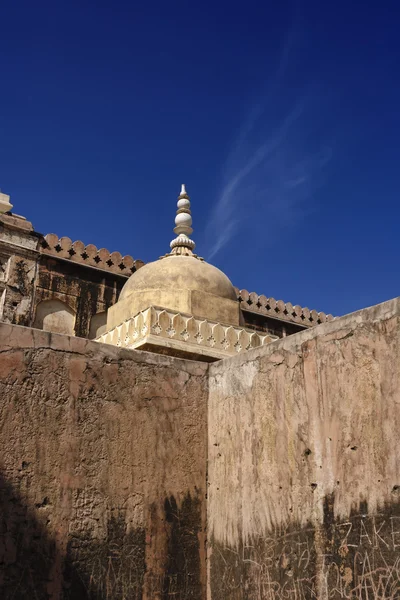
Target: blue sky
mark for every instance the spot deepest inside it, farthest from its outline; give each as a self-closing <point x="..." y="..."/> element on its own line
<point x="282" y="119"/>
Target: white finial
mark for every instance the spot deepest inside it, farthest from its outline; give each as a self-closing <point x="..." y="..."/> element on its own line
<point x="182" y="245"/>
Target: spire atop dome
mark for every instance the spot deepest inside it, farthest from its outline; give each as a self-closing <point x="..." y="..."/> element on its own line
<point x="182" y="245"/>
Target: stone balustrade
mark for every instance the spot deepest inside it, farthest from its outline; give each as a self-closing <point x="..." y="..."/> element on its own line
<point x="156" y="327"/>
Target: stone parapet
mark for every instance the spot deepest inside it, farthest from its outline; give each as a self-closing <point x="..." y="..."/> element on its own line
<point x="89" y="255"/>
<point x="278" y="309"/>
<point x="166" y="331"/>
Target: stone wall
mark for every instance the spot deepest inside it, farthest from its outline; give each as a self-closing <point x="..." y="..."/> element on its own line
<point x="304" y="464"/>
<point x="104" y="463"/>
<point x="103" y="467"/>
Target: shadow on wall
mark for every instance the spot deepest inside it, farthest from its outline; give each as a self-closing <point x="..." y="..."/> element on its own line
<point x="36" y="565"/>
<point x="32" y="566"/>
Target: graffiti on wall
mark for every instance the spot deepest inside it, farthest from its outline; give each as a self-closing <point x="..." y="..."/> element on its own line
<point x="354" y="559"/>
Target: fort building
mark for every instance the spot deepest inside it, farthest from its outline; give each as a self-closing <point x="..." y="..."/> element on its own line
<point x="67" y="287"/>
<point x="166" y="435"/>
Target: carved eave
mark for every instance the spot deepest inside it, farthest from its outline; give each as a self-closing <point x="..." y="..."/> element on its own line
<point x="168" y="332"/>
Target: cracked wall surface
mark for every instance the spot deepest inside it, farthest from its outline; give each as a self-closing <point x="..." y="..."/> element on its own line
<point x="304" y="464"/>
<point x="103" y="466"/>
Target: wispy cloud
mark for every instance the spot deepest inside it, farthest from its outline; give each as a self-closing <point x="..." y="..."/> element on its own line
<point x="274" y="167"/>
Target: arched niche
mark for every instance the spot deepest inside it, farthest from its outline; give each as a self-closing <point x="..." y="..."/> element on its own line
<point x="97" y="325"/>
<point x="55" y="316"/>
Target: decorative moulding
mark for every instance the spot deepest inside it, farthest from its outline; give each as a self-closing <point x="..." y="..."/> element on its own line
<point x="177" y="334"/>
<point x="278" y="309"/>
<point x="89" y="255"/>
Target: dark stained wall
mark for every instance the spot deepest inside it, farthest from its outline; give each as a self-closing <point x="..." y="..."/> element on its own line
<point x="103" y="471"/>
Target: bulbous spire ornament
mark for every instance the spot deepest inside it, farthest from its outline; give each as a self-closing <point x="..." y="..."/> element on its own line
<point x="182" y="245"/>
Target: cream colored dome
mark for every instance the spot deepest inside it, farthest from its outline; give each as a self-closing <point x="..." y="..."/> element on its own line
<point x="180" y="282"/>
<point x="180" y="272"/>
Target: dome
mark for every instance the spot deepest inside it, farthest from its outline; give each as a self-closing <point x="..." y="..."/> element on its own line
<point x="180" y="282"/>
<point x="180" y="272"/>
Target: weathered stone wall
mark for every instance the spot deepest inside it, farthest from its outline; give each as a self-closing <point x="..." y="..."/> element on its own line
<point x="103" y="467"/>
<point x="304" y="464"/>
